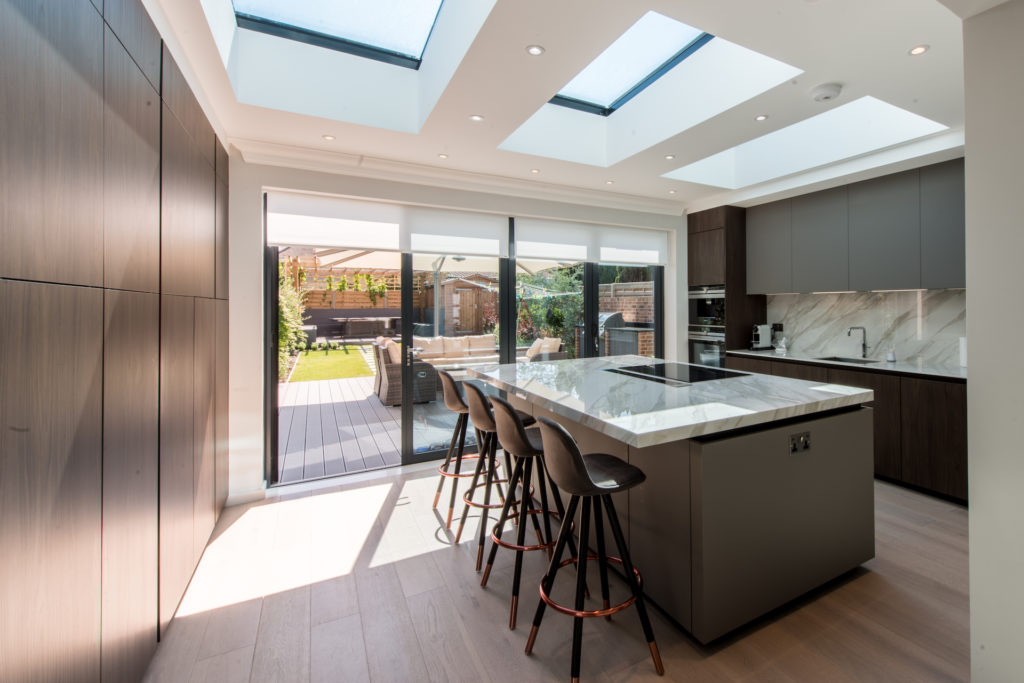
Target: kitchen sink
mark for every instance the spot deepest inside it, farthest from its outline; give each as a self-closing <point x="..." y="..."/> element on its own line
<point x="841" y="359"/>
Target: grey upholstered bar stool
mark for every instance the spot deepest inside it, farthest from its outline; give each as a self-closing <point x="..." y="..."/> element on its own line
<point x="590" y="478"/>
<point x="454" y="401"/>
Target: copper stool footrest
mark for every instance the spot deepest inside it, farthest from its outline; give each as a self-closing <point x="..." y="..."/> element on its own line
<point x="538" y="546"/>
<point x="608" y="611"/>
<point x="467" y="497"/>
<point x="460" y="475"/>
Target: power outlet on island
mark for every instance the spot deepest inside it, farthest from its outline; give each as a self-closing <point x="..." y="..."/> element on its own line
<point x="799" y="442"/>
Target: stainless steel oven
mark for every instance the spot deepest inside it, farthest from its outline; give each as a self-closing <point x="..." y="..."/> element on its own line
<point x="706" y="347"/>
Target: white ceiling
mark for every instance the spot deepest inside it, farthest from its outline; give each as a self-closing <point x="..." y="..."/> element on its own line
<point x="862" y="45"/>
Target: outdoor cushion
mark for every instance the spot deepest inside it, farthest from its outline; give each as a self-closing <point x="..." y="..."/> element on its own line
<point x="481" y="342"/>
<point x="394" y="351"/>
<point x="432" y="347"/>
<point x="534" y="348"/>
<point x="550" y="344"/>
<point x="455" y="347"/>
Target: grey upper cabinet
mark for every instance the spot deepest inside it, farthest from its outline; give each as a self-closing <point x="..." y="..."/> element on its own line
<point x="942" y="225"/>
<point x="820" y="262"/>
<point x="769" y="248"/>
<point x="885" y="233"/>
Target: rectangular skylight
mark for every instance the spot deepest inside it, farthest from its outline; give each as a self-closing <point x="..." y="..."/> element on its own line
<point x="393" y="31"/>
<point x="859" y="127"/>
<point x="641" y="55"/>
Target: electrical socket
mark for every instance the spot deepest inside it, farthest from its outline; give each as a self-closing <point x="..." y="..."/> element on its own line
<point x="799" y="442"/>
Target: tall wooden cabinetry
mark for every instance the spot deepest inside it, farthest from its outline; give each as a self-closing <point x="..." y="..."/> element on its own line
<point x="113" y="387"/>
<point x="717" y="255"/>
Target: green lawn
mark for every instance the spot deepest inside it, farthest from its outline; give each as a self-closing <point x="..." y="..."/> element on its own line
<point x="338" y="364"/>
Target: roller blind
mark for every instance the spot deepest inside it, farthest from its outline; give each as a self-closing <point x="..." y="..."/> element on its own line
<point x="441" y="231"/>
<point x="315" y="221"/>
<point x="564" y="240"/>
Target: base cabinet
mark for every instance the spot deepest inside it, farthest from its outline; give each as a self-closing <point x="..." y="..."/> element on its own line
<point x="934" y="435"/>
<point x="887" y="415"/>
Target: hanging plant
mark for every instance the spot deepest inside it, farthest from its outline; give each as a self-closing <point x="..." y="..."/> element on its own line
<point x="342" y="284"/>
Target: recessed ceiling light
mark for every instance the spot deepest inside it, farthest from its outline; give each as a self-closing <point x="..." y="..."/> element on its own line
<point x="671" y="191"/>
<point x="328" y="137"/>
<point x="442" y="156"/>
<point x="918" y="50"/>
<point x="670" y="157"/>
<point x="535" y="50"/>
<point x="534" y="170"/>
<point x="475" y="117"/>
<point x="761" y="117"/>
<point x="609" y="182"/>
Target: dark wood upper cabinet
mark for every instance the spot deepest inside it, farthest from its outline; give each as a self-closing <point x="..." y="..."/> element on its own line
<point x="204" y="378"/>
<point x="220" y="408"/>
<point x="770" y="248"/>
<point x="943" y="258"/>
<point x="221" y="165"/>
<point x="183" y="104"/>
<point x="51" y="142"/>
<point x="131" y="439"/>
<point x="221" y="240"/>
<point x="177" y="444"/>
<point x="885" y="232"/>
<point x="934" y="435"/>
<point x="131" y="174"/>
<point x="706" y="257"/>
<point x="886" y="415"/>
<point x="820" y="249"/>
<point x="203" y="193"/>
<point x="130" y="22"/>
<point x="51" y="419"/>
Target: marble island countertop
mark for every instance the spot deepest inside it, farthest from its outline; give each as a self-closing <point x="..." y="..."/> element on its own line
<point x="908" y="366"/>
<point x="644" y="413"/>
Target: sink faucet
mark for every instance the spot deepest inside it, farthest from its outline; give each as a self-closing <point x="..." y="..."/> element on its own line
<point x="863" y="340"/>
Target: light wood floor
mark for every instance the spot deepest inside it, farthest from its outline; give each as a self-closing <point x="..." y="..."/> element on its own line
<point x="360" y="581"/>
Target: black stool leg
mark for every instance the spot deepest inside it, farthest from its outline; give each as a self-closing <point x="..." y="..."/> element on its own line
<point x="561" y="511"/>
<point x="564" y="537"/>
<point x="447" y="459"/>
<point x="527" y="472"/>
<point x="482" y="450"/>
<point x="627" y="567"/>
<point x="541" y="476"/>
<point x="581" y="587"/>
<point x="464" y="417"/>
<point x="602" y="557"/>
<point x="517" y="473"/>
<point x="492" y="464"/>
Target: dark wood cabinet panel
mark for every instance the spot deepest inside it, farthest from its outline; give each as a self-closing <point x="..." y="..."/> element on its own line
<point x="221" y="241"/>
<point x="221" y="163"/>
<point x="51" y="374"/>
<point x="205" y="344"/>
<point x="204" y="226"/>
<point x="885" y="232"/>
<point x="51" y="142"/>
<point x="886" y="415"/>
<point x="131" y="24"/>
<point x="177" y="440"/>
<point x="131" y="438"/>
<point x="183" y="104"/>
<point x="131" y="174"/>
<point x="744" y="364"/>
<point x="811" y="373"/>
<point x="769" y="248"/>
<point x="819" y="237"/>
<point x="943" y="259"/>
<point x="934" y="435"/>
<point x="706" y="257"/>
<point x="220" y="408"/>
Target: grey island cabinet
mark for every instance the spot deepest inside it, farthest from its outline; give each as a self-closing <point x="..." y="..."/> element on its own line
<point x="758" y="489"/>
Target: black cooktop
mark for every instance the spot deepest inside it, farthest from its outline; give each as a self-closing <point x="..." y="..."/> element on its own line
<point x="675" y="374"/>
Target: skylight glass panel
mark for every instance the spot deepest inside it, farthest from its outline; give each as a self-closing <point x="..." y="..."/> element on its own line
<point x="639" y="56"/>
<point x="392" y="27"/>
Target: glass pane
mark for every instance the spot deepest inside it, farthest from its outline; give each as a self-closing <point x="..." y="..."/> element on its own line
<point x="549" y="306"/>
<point x="625" y="313"/>
<point x="636" y="54"/>
<point x="454" y="326"/>
<point x="401" y="26"/>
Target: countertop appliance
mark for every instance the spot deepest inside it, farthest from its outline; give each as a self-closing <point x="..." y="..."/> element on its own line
<point x="762" y="337"/>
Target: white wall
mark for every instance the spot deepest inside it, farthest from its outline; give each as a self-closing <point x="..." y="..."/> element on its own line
<point x="245" y="255"/>
<point x="993" y="54"/>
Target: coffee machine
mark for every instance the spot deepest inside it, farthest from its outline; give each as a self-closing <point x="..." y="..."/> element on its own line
<point x="761" y="338"/>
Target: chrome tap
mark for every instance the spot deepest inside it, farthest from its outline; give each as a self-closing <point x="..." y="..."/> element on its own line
<point x="863" y="340"/>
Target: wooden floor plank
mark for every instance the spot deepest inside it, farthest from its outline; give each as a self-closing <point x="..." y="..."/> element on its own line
<point x="313" y="457"/>
<point x="368" y="448"/>
<point x="388" y="628"/>
<point x="283" y="644"/>
<point x="338" y="651"/>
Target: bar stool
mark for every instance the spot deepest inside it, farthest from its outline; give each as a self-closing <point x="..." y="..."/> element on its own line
<point x="589" y="477"/>
<point x="525" y="447"/>
<point x="483" y="421"/>
<point x="454" y="402"/>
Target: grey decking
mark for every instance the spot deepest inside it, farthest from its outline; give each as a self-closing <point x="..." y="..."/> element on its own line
<point x="335" y="426"/>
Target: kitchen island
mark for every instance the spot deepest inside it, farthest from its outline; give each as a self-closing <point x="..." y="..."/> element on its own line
<point x="759" y="488"/>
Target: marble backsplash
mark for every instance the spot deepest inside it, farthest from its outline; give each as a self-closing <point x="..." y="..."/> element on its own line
<point x="924" y="324"/>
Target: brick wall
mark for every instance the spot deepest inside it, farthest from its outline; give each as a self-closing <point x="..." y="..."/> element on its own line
<point x="634" y="299"/>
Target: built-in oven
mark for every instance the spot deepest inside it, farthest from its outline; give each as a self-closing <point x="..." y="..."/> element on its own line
<point x="707" y="307"/>
<point x="707" y="348"/>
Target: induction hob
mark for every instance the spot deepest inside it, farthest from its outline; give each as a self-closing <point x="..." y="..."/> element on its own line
<point x="675" y="374"/>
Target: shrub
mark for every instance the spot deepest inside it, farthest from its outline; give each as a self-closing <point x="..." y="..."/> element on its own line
<point x="291" y="306"/>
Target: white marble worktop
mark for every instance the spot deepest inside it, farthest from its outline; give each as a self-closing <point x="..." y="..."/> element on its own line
<point x="908" y="366"/>
<point x="644" y="413"/>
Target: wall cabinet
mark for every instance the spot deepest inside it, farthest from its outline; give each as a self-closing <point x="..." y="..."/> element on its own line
<point x="819" y="238"/>
<point x="886" y="415"/>
<point x="885" y="232"/>
<point x="934" y="435"/>
<point x="706" y="257"/>
<point x="204" y="377"/>
<point x="131" y="24"/>
<point x="769" y="248"/>
<point x="942" y="225"/>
